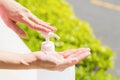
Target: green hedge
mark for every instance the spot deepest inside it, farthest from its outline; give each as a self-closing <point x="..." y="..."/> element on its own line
<point x="74" y="33"/>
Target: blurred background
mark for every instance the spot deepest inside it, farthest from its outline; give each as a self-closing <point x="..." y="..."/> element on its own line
<point x="104" y="18"/>
<point x="82" y="23"/>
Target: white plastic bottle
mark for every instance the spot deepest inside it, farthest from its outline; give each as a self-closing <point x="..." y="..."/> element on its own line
<point x="48" y="46"/>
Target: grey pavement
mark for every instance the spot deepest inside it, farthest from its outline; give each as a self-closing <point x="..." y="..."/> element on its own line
<point x="105" y="23"/>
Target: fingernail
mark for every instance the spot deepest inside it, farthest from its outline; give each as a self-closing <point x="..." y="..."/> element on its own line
<point x="23" y="35"/>
<point x="88" y="49"/>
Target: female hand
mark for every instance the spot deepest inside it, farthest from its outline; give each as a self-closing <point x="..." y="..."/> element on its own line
<point x="12" y="12"/>
<point x="58" y="61"/>
<point x="39" y="60"/>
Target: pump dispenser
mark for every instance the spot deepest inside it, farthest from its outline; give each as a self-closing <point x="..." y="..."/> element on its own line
<point x="48" y="46"/>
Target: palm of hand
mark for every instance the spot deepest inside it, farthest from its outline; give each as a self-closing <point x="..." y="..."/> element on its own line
<point x="61" y="60"/>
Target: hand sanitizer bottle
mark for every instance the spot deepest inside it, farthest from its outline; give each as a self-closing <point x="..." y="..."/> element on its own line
<point x="48" y="46"/>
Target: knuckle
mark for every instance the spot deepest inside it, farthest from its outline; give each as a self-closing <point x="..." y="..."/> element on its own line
<point x="26" y="10"/>
<point x="19" y="14"/>
<point x="34" y="26"/>
<point x="23" y="18"/>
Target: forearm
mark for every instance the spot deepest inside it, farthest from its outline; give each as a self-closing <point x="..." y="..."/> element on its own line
<point x="13" y="66"/>
<point x="15" y="61"/>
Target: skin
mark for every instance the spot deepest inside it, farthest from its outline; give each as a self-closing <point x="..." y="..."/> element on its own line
<point x="12" y="12"/>
<point x="39" y="60"/>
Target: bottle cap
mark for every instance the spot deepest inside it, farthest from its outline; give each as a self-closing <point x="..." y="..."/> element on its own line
<point x="50" y="34"/>
<point x="48" y="46"/>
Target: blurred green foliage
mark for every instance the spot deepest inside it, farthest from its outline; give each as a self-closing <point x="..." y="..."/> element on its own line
<point x="74" y="33"/>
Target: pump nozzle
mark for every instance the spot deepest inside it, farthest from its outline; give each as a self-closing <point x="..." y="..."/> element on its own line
<point x="50" y="34"/>
<point x="48" y="46"/>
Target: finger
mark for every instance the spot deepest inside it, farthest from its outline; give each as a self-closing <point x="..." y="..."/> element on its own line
<point x="33" y="25"/>
<point x="58" y="56"/>
<point x="40" y="22"/>
<point x="83" y="56"/>
<point x="73" y="52"/>
<point x="69" y="62"/>
<point x="67" y="53"/>
<point x="79" y="51"/>
<point x="36" y="20"/>
<point x="75" y="60"/>
<point x="15" y="28"/>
